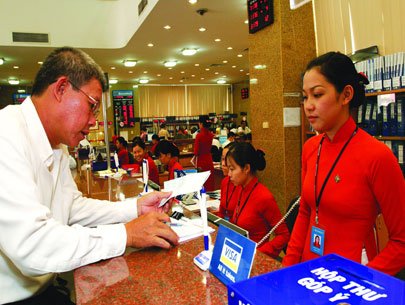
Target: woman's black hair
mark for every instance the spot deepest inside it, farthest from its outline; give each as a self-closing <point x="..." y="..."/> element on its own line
<point x="122" y="141"/>
<point x="340" y="71"/>
<point x="155" y="137"/>
<point x="204" y="120"/>
<point x="139" y="143"/>
<point x="244" y="153"/>
<point x="166" y="147"/>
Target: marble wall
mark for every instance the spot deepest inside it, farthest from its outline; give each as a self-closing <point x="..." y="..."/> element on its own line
<point x="284" y="48"/>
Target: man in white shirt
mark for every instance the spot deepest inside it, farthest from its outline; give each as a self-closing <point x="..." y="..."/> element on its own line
<point x="46" y="225"/>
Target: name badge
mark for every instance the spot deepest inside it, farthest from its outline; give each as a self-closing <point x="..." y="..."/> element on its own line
<point x="317" y="240"/>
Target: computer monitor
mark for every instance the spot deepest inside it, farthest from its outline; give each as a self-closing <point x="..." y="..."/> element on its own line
<point x="220" y="221"/>
<point x="149" y="137"/>
<point x="222" y="139"/>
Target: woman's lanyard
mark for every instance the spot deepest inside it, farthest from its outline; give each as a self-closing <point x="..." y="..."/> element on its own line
<point x="318" y="199"/>
<point x="239" y="210"/>
<point x="228" y="198"/>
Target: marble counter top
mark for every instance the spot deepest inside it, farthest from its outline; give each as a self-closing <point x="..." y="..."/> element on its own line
<point x="156" y="276"/>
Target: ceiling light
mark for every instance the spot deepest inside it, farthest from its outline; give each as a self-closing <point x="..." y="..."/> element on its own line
<point x="234" y="67"/>
<point x="260" y="67"/>
<point x="130" y="72"/>
<point x="167" y="27"/>
<point x="229" y="48"/>
<point x="202" y="78"/>
<point x="13" y="81"/>
<point x="2" y="61"/>
<point x="129" y="63"/>
<point x="170" y="77"/>
<point x="112" y="68"/>
<point x="246" y="21"/>
<point x="217" y="40"/>
<point x="158" y="75"/>
<point x="40" y="62"/>
<point x="192" y="1"/>
<point x="112" y="81"/>
<point x="16" y="67"/>
<point x="225" y="61"/>
<point x="253" y="81"/>
<point x="145" y="72"/>
<point x="192" y="75"/>
<point x="197" y="65"/>
<point x="202" y="29"/>
<point x="216" y="73"/>
<point x="207" y="69"/>
<point x="188" y="52"/>
<point x="221" y="81"/>
<point x="144" y="81"/>
<point x="241" y="70"/>
<point x="181" y="81"/>
<point x="239" y="55"/>
<point x="21" y="90"/>
<point x="170" y="63"/>
<point x="182" y="72"/>
<point x="150" y="45"/>
<point x="135" y="86"/>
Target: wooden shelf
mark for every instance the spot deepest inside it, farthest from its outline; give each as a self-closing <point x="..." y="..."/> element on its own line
<point x="385" y="92"/>
<point x="390" y="138"/>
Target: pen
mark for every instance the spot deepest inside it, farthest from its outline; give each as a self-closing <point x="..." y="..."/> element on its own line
<point x="203" y="212"/>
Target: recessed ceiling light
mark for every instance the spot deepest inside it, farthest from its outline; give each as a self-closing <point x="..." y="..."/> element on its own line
<point x="197" y="65"/>
<point x="188" y="51"/>
<point x="246" y="21"/>
<point x="239" y="55"/>
<point x="112" y="68"/>
<point x="129" y="63"/>
<point x="170" y="63"/>
<point x="150" y="45"/>
<point x="13" y="81"/>
<point x="144" y="81"/>
<point x="170" y="77"/>
<point x="216" y="73"/>
<point x="167" y="27"/>
<point x="253" y="81"/>
<point x="112" y="81"/>
<point x="221" y="81"/>
<point x="217" y="40"/>
<point x="40" y="62"/>
<point x="202" y="78"/>
<point x="260" y="67"/>
<point x="247" y="73"/>
<point x="16" y="67"/>
<point x="182" y="72"/>
<point x="21" y="90"/>
<point x="225" y="61"/>
<point x="202" y="29"/>
<point x="1" y="61"/>
<point x="234" y="67"/>
<point x="135" y="86"/>
<point x="170" y="68"/>
<point x="130" y="72"/>
<point x="223" y="76"/>
<point x="241" y="70"/>
<point x="181" y="81"/>
<point x="229" y="48"/>
<point x="144" y="72"/>
<point x="158" y="75"/>
<point x="192" y="75"/>
<point x="207" y="69"/>
<point x="192" y="1"/>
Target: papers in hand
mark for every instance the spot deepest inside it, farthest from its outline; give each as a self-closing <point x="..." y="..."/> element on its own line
<point x="187" y="228"/>
<point x="189" y="183"/>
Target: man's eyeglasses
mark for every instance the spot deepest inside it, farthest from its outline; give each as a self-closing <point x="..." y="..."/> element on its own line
<point x="94" y="104"/>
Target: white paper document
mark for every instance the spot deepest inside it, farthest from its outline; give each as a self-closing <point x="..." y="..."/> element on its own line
<point x="188" y="229"/>
<point x="189" y="183"/>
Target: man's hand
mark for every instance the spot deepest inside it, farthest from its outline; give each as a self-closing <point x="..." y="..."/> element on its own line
<point x="150" y="230"/>
<point x="150" y="203"/>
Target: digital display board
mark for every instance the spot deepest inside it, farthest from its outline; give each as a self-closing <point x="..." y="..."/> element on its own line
<point x="260" y="13"/>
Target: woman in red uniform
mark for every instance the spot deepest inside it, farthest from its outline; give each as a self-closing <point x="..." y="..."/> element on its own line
<point x="348" y="177"/>
<point x="228" y="189"/>
<point x="202" y="150"/>
<point x="256" y="209"/>
<point x="168" y="154"/>
<point x="122" y="152"/>
<point x="140" y="153"/>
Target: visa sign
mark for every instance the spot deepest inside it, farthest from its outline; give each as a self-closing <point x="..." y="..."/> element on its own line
<point x="231" y="255"/>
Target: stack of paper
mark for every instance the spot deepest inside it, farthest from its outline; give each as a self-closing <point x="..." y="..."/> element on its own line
<point x="187" y="228"/>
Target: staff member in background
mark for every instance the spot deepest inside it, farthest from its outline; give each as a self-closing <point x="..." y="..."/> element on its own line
<point x="256" y="209"/>
<point x="140" y="153"/>
<point x="144" y="134"/>
<point x="168" y="154"/>
<point x="228" y="189"/>
<point x="163" y="133"/>
<point x="122" y="151"/>
<point x="355" y="176"/>
<point x="155" y="141"/>
<point x="202" y="150"/>
<point x="59" y="229"/>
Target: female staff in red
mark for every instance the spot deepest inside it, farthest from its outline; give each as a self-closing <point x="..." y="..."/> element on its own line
<point x="348" y="177"/>
<point x="168" y="154"/>
<point x="140" y="153"/>
<point x="256" y="209"/>
<point x="202" y="150"/>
